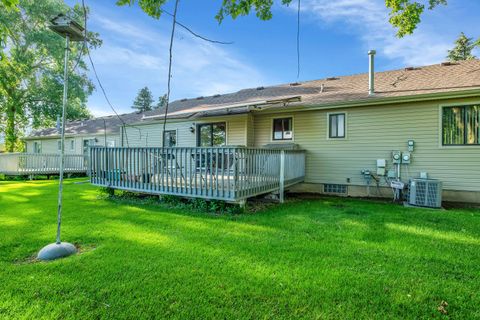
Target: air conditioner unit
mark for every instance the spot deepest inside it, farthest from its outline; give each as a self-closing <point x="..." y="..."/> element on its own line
<point x="425" y="193"/>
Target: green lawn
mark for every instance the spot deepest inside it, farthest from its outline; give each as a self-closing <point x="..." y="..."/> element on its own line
<point x="327" y="258"/>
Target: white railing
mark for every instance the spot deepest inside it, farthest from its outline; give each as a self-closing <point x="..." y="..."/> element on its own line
<point x="37" y="163"/>
<point x="227" y="173"/>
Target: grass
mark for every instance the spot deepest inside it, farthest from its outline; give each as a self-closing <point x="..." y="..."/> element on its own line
<point x="309" y="259"/>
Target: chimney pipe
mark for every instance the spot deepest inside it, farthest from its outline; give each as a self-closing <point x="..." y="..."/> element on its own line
<point x="371" y="72"/>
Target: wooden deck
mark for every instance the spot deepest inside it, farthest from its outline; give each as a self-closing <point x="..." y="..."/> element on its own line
<point x="18" y="164"/>
<point x="229" y="174"/>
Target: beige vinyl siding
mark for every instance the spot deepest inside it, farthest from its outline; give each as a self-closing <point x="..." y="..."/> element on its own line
<point x="373" y="133"/>
<point x="150" y="135"/>
<point x="50" y="145"/>
<point x="250" y="123"/>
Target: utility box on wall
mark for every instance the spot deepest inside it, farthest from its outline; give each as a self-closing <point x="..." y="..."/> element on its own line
<point x="381" y="167"/>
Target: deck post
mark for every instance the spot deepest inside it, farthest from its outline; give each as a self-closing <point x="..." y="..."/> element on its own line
<point x="282" y="177"/>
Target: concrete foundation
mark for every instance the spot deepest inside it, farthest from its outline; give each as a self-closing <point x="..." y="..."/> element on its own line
<point x="385" y="192"/>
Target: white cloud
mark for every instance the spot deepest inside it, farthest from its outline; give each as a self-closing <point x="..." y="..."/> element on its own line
<point x="99" y="111"/>
<point x="369" y="20"/>
<point x="134" y="56"/>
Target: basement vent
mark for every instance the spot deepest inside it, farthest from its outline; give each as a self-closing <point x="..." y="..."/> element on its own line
<point x="335" y="188"/>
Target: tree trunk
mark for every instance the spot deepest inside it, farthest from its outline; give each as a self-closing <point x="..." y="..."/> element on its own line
<point x="10" y="130"/>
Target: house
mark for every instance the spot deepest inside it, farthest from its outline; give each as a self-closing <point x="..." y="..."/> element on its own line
<point x="358" y="134"/>
<point x="42" y="146"/>
<point x="79" y="135"/>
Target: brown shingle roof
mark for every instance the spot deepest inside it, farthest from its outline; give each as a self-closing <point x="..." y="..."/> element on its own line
<point x="90" y="126"/>
<point x="438" y="78"/>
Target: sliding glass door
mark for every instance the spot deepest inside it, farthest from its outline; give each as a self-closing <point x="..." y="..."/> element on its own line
<point x="211" y="134"/>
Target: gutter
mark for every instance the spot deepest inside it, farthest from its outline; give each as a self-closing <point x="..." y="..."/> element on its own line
<point x="254" y="104"/>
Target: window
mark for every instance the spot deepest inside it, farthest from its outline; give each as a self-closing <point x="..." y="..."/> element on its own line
<point x="110" y="144"/>
<point x="211" y="134"/>
<point x="282" y="129"/>
<point x="335" y="188"/>
<point x="336" y="124"/>
<point x="37" y="147"/>
<point x="461" y="125"/>
<point x="72" y="145"/>
<point x="86" y="144"/>
<point x="170" y="138"/>
<point x="59" y="145"/>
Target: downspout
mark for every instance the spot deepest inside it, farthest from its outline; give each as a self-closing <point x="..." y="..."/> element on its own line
<point x="371" y="72"/>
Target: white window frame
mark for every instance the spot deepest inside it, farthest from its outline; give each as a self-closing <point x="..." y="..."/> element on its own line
<point x="176" y="135"/>
<point x="72" y="144"/>
<point x="37" y="143"/>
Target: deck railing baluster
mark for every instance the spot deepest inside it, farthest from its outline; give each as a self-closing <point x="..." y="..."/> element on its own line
<point x="196" y="172"/>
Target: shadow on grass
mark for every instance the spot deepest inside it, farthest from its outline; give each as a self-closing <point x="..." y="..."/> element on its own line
<point x="317" y="258"/>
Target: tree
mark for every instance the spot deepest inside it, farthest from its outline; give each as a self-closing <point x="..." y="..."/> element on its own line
<point x="405" y="15"/>
<point x="5" y="5"/>
<point x="463" y="49"/>
<point x="8" y="4"/>
<point x="162" y="102"/>
<point x="31" y="70"/>
<point x="144" y="100"/>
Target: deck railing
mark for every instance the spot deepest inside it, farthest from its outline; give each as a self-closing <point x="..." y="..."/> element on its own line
<point x="38" y="163"/>
<point x="228" y="173"/>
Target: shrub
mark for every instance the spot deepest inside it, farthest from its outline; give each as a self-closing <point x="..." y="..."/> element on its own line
<point x="107" y="192"/>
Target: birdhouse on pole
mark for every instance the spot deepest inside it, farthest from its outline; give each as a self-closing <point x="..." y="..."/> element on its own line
<point x="67" y="27"/>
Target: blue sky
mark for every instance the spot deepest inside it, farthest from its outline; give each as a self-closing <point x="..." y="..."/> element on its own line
<point x="335" y="38"/>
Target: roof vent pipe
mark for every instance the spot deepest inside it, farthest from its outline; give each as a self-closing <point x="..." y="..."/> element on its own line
<point x="371" y="72"/>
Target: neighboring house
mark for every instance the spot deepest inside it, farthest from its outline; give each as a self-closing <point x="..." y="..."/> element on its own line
<point x="343" y="129"/>
<point x="79" y="135"/>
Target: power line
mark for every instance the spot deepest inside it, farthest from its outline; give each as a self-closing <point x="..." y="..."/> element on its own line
<point x="193" y="32"/>
<point x="80" y="54"/>
<point x="106" y="97"/>
<point x="175" y="22"/>
<point x="98" y="78"/>
<point x="174" y="16"/>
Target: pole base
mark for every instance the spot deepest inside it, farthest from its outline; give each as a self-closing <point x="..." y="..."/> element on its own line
<point x="55" y="251"/>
